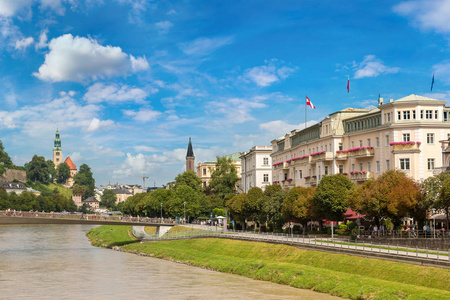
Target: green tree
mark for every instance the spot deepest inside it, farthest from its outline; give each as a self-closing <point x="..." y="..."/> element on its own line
<point x="51" y="170"/>
<point x="443" y="202"/>
<point x="190" y="179"/>
<point x="253" y="204"/>
<point x="4" y="199"/>
<point x="63" y="173"/>
<point x="331" y="196"/>
<point x="298" y="205"/>
<point x="109" y="199"/>
<point x="37" y="170"/>
<point x="273" y="199"/>
<point x="4" y="157"/>
<point x="224" y="177"/>
<point x="78" y="190"/>
<point x="156" y="198"/>
<point x="235" y="206"/>
<point x="84" y="177"/>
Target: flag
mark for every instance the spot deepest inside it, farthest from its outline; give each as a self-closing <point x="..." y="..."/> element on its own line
<point x="432" y="82"/>
<point x="308" y="102"/>
<point x="348" y="85"/>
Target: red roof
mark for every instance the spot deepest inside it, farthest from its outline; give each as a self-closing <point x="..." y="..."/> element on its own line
<point x="70" y="163"/>
<point x="352" y="215"/>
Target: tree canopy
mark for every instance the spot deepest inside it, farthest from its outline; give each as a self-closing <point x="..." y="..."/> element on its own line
<point x="62" y="172"/>
<point x="38" y="169"/>
<point x="84" y="177"/>
<point x="224" y="177"/>
<point x="109" y="199"/>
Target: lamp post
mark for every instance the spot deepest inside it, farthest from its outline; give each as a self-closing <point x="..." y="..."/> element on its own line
<point x="161" y="212"/>
<point x="433" y="211"/>
<point x="184" y="220"/>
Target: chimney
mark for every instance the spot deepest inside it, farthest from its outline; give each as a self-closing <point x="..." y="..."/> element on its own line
<point x="391" y="100"/>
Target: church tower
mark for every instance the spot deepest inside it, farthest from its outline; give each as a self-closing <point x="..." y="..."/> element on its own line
<point x="190" y="158"/>
<point x="57" y="152"/>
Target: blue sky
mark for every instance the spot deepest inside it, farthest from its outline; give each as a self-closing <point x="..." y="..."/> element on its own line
<point x="127" y="82"/>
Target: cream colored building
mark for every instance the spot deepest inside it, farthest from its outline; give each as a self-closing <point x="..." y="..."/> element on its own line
<point x="404" y="134"/>
<point x="256" y="168"/>
<point x="205" y="169"/>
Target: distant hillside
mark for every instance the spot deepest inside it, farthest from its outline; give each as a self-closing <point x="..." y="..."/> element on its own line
<point x="47" y="189"/>
<point x="8" y="174"/>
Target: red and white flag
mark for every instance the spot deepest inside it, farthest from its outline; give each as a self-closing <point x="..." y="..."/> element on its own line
<point x="348" y="85"/>
<point x="308" y="102"/>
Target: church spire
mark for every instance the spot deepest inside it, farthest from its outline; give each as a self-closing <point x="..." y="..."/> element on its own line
<point x="190" y="159"/>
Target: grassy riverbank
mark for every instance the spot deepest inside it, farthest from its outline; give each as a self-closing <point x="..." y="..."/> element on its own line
<point x="340" y="275"/>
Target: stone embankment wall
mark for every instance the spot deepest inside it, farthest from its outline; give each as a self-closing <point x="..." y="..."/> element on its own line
<point x="11" y="174"/>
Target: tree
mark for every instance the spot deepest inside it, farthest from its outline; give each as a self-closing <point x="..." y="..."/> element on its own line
<point x="190" y="179"/>
<point x="274" y="196"/>
<point x="4" y="157"/>
<point x="51" y="169"/>
<point x="78" y="190"/>
<point x="37" y="170"/>
<point x="331" y="196"/>
<point x="298" y="205"/>
<point x="443" y="202"/>
<point x="252" y="206"/>
<point x="109" y="199"/>
<point x="84" y="177"/>
<point x="62" y="173"/>
<point x="236" y="205"/>
<point x="224" y="177"/>
<point x="392" y="195"/>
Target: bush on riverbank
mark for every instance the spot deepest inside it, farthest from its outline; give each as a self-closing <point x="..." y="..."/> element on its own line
<point x="340" y="275"/>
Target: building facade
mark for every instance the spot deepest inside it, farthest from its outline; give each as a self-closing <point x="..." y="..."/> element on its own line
<point x="205" y="169"/>
<point x="256" y="168"/>
<point x="404" y="134"/>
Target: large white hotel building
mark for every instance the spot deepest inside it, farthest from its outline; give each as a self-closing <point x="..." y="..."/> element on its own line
<point x="409" y="134"/>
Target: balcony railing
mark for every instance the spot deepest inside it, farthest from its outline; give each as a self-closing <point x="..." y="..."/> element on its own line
<point x="311" y="180"/>
<point x="300" y="160"/>
<point x="324" y="155"/>
<point x="405" y="147"/>
<point x="360" y="175"/>
<point x="361" y="152"/>
<point x="341" y="154"/>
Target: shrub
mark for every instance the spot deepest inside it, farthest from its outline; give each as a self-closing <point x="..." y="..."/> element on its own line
<point x="342" y="226"/>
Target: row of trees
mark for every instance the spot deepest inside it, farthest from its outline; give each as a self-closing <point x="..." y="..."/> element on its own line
<point x="27" y="201"/>
<point x="391" y="196"/>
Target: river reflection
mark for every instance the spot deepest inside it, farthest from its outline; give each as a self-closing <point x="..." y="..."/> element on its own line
<point x="58" y="262"/>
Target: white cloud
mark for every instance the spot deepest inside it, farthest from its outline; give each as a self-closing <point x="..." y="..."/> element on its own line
<point x="427" y="15"/>
<point x="163" y="26"/>
<point x="79" y="59"/>
<point x="97" y="124"/>
<point x="372" y="67"/>
<point x="23" y="43"/>
<point x="145" y="149"/>
<point x="269" y="74"/>
<point x="142" y="115"/>
<point x="114" y="93"/>
<point x="9" y="8"/>
<point x="205" y="46"/>
<point x="236" y="110"/>
<point x="279" y="128"/>
<point x="42" y="41"/>
<point x="172" y="12"/>
<point x="442" y="72"/>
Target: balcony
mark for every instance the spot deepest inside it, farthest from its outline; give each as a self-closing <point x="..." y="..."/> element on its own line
<point x="359" y="152"/>
<point x="405" y="147"/>
<point x="360" y="175"/>
<point x="300" y="160"/>
<point x="277" y="166"/>
<point x="341" y="155"/>
<point x="288" y="183"/>
<point x="323" y="155"/>
<point x="311" y="180"/>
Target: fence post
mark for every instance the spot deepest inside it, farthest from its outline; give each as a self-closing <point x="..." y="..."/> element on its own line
<point x="437" y="253"/>
<point x="388" y="248"/>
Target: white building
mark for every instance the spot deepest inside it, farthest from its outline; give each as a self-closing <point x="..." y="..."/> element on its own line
<point x="256" y="166"/>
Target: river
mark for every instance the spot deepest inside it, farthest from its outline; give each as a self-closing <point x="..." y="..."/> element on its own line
<point x="58" y="262"/>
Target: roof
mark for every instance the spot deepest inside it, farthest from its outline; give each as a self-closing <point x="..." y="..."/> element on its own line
<point x="13" y="185"/>
<point x="70" y="163"/>
<point x="121" y="191"/>
<point x="190" y="151"/>
<point x="414" y="97"/>
<point x="90" y="199"/>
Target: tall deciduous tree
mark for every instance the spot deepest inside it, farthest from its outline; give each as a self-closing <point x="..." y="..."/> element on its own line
<point x="443" y="202"/>
<point x="37" y="170"/>
<point x="224" y="177"/>
<point x="109" y="199"/>
<point x="51" y="169"/>
<point x="298" y="205"/>
<point x="4" y="157"/>
<point x="190" y="179"/>
<point x="331" y="196"/>
<point x="62" y="173"/>
<point x="84" y="177"/>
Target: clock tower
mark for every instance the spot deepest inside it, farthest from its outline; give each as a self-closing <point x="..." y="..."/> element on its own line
<point x="57" y="152"/>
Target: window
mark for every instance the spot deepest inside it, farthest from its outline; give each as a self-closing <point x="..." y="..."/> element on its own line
<point x="353" y="144"/>
<point x="429" y="114"/>
<point x="389" y="117"/>
<point x="406" y="137"/>
<point x="341" y="169"/>
<point x="414" y="114"/>
<point x="300" y="174"/>
<point x="326" y="148"/>
<point x="399" y="115"/>
<point x="406" y="115"/>
<point x="378" y="166"/>
<point x="360" y="143"/>
<point x="266" y="177"/>
<point x="430" y="164"/>
<point x="369" y="143"/>
<point x="353" y="167"/>
<point x="436" y="114"/>
<point x="326" y="170"/>
<point x="448" y="136"/>
<point x="265" y="161"/>
<point x="341" y="146"/>
<point x="285" y="176"/>
<point x="360" y="166"/>
<point x="430" y="138"/>
<point x="404" y="164"/>
<point x="387" y="140"/>
<point x="57" y="153"/>
<point x="388" y="166"/>
<point x="369" y="166"/>
<point x="421" y="114"/>
<point x="377" y="141"/>
<point x="204" y="171"/>
<point x="57" y="159"/>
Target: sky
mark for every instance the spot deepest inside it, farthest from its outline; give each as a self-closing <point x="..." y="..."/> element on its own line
<point x="127" y="82"/>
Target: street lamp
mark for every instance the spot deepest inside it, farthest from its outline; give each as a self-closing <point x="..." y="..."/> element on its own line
<point x="161" y="212"/>
<point x="433" y="211"/>
<point x="184" y="212"/>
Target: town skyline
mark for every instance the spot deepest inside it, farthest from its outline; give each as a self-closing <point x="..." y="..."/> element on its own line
<point x="128" y="82"/>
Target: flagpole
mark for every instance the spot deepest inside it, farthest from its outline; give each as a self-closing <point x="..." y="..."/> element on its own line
<point x="305" y="112"/>
<point x="348" y="87"/>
